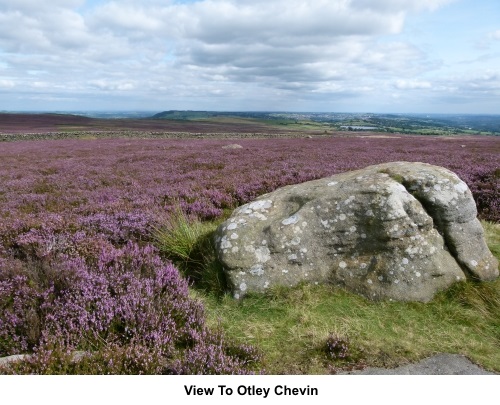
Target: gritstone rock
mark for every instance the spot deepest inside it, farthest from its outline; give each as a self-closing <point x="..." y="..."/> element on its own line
<point x="232" y="146"/>
<point x="400" y="231"/>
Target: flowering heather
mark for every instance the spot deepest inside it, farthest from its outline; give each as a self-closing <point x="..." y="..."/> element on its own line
<point x="129" y="313"/>
<point x="77" y="269"/>
<point x="336" y="347"/>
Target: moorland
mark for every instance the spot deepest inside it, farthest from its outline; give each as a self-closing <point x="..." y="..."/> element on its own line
<point x="174" y="123"/>
<point x="107" y="263"/>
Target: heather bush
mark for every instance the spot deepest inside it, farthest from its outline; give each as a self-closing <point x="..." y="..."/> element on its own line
<point x="130" y="312"/>
<point x="336" y="347"/>
<point x="485" y="186"/>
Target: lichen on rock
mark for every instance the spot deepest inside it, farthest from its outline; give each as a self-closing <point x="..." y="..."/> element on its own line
<point x="400" y="231"/>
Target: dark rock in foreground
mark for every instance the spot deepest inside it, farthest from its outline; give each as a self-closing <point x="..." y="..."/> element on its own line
<point x="400" y="231"/>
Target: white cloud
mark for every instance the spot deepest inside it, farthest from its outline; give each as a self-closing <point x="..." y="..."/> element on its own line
<point x="488" y="40"/>
<point x="42" y="30"/>
<point x="412" y="84"/>
<point x="281" y="24"/>
<point x="6" y="84"/>
<point x="128" y="18"/>
<point x="241" y="50"/>
<point x="403" y="5"/>
<point x="495" y="35"/>
<point x="108" y="85"/>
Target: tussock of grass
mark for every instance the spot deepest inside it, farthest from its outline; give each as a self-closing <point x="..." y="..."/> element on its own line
<point x="179" y="236"/>
<point x="188" y="243"/>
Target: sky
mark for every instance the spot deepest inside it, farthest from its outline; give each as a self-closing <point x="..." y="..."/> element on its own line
<point x="380" y="56"/>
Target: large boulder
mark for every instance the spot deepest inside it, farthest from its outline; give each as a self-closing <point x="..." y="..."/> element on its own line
<point x="400" y="231"/>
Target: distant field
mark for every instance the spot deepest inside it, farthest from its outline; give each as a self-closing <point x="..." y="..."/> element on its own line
<point x="418" y="124"/>
<point x="186" y="124"/>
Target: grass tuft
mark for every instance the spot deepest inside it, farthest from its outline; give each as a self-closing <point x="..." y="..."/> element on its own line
<point x="188" y="242"/>
<point x="179" y="237"/>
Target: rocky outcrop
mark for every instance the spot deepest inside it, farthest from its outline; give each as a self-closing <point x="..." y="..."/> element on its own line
<point x="232" y="146"/>
<point x="400" y="231"/>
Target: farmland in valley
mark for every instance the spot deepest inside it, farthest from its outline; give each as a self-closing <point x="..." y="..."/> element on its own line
<point x="196" y="123"/>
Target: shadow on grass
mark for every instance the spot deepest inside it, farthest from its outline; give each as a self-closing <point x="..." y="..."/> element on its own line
<point x="189" y="244"/>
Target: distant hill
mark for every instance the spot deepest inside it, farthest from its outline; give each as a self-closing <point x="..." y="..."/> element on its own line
<point x="189" y="115"/>
<point x="421" y="124"/>
<point x="183" y="115"/>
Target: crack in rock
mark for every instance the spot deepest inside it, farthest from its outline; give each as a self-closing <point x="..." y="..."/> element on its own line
<point x="399" y="231"/>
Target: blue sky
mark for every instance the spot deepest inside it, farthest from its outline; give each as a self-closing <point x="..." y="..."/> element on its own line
<point x="428" y="56"/>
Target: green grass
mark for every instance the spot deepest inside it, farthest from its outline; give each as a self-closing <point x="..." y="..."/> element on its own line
<point x="492" y="232"/>
<point x="188" y="243"/>
<point x="291" y="326"/>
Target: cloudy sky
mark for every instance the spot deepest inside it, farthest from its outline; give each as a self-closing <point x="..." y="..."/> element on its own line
<point x="439" y="56"/>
